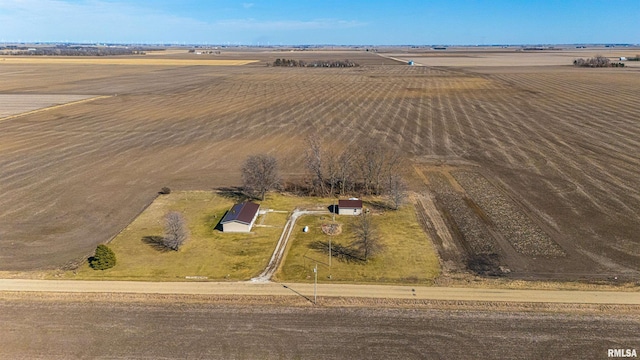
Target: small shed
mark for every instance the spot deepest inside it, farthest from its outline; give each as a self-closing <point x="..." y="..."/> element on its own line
<point x="240" y="218"/>
<point x="352" y="206"/>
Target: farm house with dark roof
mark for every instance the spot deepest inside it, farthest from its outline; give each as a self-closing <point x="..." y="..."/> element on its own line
<point x="240" y="218"/>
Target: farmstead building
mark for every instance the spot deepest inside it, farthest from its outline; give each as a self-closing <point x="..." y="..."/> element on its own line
<point x="240" y="218"/>
<point x="350" y="207"/>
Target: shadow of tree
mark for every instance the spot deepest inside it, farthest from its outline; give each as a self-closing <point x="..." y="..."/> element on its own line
<point x="378" y="205"/>
<point x="340" y="252"/>
<point x="156" y="242"/>
<point x="233" y="193"/>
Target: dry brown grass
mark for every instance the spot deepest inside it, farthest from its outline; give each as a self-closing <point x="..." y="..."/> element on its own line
<point x="323" y="301"/>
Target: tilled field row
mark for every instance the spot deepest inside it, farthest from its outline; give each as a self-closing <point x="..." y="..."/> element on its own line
<point x="525" y="236"/>
<point x="473" y="232"/>
<point x="77" y="174"/>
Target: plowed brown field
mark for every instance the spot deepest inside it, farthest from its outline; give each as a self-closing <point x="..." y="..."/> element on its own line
<point x="77" y="328"/>
<point x="560" y="144"/>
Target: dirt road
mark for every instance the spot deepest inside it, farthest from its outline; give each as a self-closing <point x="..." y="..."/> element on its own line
<point x="326" y="290"/>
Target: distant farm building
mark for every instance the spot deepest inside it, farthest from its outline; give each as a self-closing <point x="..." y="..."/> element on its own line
<point x="350" y="207"/>
<point x="240" y="218"/>
<point x="622" y="58"/>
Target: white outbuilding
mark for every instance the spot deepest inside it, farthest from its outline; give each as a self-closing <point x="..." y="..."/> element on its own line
<point x="352" y="206"/>
<point x="240" y="218"/>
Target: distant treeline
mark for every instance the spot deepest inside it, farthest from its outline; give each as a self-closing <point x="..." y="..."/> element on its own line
<point x="540" y="48"/>
<point x="596" y="62"/>
<point x="73" y="51"/>
<point x="204" y="52"/>
<point x="316" y="63"/>
<point x="637" y="58"/>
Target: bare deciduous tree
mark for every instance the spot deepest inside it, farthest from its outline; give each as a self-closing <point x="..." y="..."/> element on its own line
<point x="260" y="174"/>
<point x="376" y="162"/>
<point x="332" y="170"/>
<point x="396" y="190"/>
<point x="345" y="167"/>
<point x="367" y="241"/>
<point x="314" y="163"/>
<point x="370" y="162"/>
<point x="366" y="167"/>
<point x="175" y="231"/>
<point x="597" y="61"/>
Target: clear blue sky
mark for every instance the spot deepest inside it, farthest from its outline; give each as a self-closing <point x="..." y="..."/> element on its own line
<point x="276" y="22"/>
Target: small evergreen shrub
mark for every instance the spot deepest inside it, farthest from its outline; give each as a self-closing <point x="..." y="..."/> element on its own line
<point x="104" y="258"/>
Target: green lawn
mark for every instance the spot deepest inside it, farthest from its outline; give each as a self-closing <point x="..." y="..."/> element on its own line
<point x="208" y="253"/>
<point x="408" y="256"/>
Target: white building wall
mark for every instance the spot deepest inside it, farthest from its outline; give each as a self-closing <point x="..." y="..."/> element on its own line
<point x="349" y="211"/>
<point x="235" y="227"/>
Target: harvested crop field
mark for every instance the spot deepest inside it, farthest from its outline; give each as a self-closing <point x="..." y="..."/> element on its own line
<point x="19" y="104"/>
<point x="122" y="61"/>
<point x="72" y="328"/>
<point x="487" y="57"/>
<point x="559" y="144"/>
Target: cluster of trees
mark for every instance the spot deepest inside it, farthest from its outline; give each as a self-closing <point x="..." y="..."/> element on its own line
<point x="316" y="63"/>
<point x="369" y="168"/>
<point x="205" y="52"/>
<point x="540" y="48"/>
<point x="78" y="51"/>
<point x="596" y="62"/>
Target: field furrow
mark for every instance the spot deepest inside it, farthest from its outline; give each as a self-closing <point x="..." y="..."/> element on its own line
<point x="564" y="144"/>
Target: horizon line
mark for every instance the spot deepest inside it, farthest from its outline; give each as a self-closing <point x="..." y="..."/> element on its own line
<point x="237" y="44"/>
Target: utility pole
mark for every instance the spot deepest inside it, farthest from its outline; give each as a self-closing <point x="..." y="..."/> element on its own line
<point x="315" y="285"/>
<point x="330" y="253"/>
<point x="334" y="210"/>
